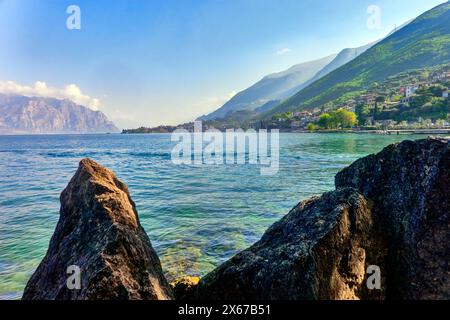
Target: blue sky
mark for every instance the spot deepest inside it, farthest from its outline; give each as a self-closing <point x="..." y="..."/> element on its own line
<point x="169" y="61"/>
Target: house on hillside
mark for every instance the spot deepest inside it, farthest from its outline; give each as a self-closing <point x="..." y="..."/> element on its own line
<point x="295" y="124"/>
<point x="410" y="90"/>
<point x="443" y="76"/>
<point x="366" y="99"/>
<point x="445" y="94"/>
<point x="406" y="100"/>
<point x="302" y="114"/>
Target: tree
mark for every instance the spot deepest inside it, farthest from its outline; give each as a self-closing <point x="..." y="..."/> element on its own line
<point x="288" y="115"/>
<point x="440" y="123"/>
<point x="362" y="112"/>
<point x="276" y="116"/>
<point x="311" y="127"/>
<point x="339" y="118"/>
<point x="325" y="121"/>
<point x="380" y="99"/>
<point x="375" y="111"/>
<point x="344" y="118"/>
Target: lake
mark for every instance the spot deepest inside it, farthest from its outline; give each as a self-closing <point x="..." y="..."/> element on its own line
<point x="195" y="216"/>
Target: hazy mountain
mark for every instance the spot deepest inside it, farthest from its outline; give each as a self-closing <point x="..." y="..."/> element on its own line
<point x="275" y="86"/>
<point x="20" y="115"/>
<point x="425" y="42"/>
<point x="342" y="58"/>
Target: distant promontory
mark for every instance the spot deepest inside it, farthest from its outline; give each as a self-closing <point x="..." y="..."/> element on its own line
<point x="37" y="115"/>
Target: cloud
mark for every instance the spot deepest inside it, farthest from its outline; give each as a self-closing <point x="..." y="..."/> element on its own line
<point x="283" y="51"/>
<point x="209" y="104"/>
<point x="220" y="100"/>
<point x="41" y="89"/>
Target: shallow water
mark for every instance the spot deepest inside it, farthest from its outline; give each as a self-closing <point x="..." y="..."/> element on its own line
<point x="196" y="216"/>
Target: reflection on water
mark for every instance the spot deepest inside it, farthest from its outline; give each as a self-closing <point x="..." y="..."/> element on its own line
<point x="196" y="216"/>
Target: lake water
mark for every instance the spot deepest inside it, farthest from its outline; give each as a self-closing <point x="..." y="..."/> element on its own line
<point x="196" y="216"/>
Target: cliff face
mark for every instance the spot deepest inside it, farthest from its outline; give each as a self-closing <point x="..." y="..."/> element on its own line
<point x="19" y="114"/>
<point x="99" y="232"/>
<point x="390" y="210"/>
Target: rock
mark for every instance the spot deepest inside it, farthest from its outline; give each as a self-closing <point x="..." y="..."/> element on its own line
<point x="99" y="232"/>
<point x="410" y="184"/>
<point x="390" y="210"/>
<point x="318" y="251"/>
<point x="184" y="287"/>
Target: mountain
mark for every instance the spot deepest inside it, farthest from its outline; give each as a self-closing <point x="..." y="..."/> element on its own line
<point x="342" y="58"/>
<point x="272" y="87"/>
<point x="425" y="42"/>
<point x="22" y="115"/>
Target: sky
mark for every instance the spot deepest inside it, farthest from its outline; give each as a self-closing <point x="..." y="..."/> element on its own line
<point x="153" y="62"/>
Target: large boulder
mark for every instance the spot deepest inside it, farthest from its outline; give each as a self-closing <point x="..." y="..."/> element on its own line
<point x="99" y="234"/>
<point x="320" y="250"/>
<point x="409" y="183"/>
<point x="389" y="211"/>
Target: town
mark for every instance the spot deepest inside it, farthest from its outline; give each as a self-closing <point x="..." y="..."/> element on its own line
<point x="414" y="100"/>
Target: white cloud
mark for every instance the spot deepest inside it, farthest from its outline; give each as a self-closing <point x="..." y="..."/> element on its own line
<point x="283" y="51"/>
<point x="41" y="89"/>
<point x="220" y="100"/>
<point x="209" y="104"/>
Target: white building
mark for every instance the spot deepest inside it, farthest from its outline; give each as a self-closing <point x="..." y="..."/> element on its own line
<point x="410" y="90"/>
<point x="445" y="94"/>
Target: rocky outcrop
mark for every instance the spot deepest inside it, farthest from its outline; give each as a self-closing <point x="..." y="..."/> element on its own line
<point x="410" y="185"/>
<point x="320" y="250"/>
<point x="390" y="210"/>
<point x="99" y="233"/>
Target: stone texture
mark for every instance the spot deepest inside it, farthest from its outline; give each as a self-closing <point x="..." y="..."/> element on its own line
<point x="99" y="231"/>
<point x="410" y="184"/>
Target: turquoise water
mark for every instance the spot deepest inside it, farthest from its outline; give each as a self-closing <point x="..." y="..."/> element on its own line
<point x="196" y="216"/>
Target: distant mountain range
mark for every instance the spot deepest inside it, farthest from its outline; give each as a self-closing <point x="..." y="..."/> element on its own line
<point x="25" y="115"/>
<point x="272" y="89"/>
<point x="276" y="86"/>
<point x="425" y="42"/>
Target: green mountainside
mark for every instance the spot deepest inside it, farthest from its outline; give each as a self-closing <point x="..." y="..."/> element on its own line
<point x="425" y="42"/>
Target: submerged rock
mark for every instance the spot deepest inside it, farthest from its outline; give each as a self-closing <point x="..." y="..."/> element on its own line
<point x="390" y="211"/>
<point x="99" y="233"/>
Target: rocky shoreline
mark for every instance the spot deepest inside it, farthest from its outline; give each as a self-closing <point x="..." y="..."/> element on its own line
<point x="382" y="234"/>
